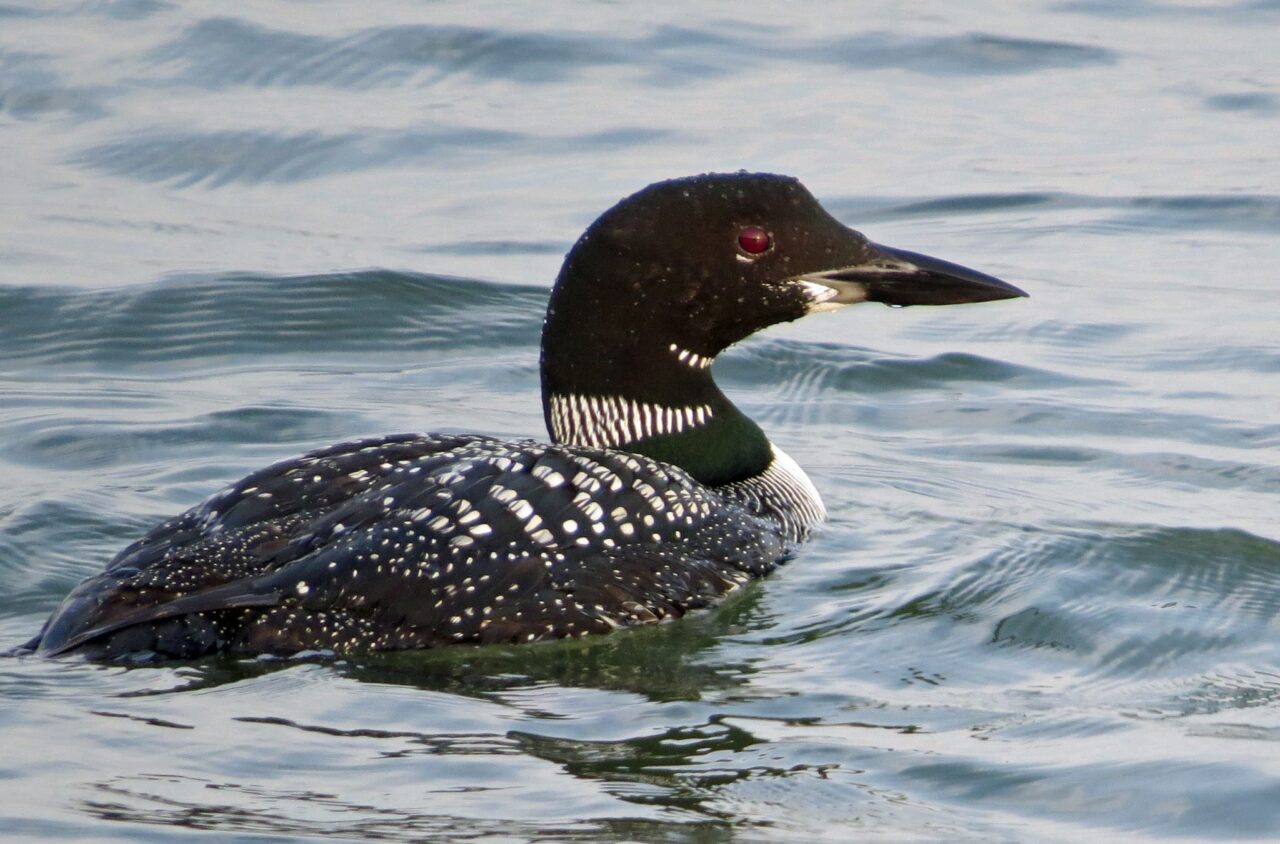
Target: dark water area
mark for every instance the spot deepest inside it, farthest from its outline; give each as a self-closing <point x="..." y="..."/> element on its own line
<point x="1045" y="605"/>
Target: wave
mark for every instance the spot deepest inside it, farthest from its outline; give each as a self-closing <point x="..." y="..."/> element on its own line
<point x="216" y="320"/>
<point x="1258" y="213"/>
<point x="219" y="52"/>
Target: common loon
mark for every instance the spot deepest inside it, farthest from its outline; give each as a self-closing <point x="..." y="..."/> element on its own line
<point x="655" y="496"/>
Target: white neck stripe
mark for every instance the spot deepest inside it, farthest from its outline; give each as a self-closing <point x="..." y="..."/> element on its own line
<point x="688" y="358"/>
<point x="611" y="421"/>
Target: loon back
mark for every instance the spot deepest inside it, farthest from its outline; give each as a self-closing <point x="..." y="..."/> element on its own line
<point x="656" y="496"/>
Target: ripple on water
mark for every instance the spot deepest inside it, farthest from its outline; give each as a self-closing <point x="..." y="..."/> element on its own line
<point x="95" y="444"/>
<point x="217" y="159"/>
<point x="224" y="51"/>
<point x="1114" y="215"/>
<point x="1145" y="617"/>
<point x="31" y="87"/>
<point x="972" y="53"/>
<point x="1258" y="102"/>
<point x="203" y="321"/>
<point x="828" y="366"/>
<point x="1132" y="616"/>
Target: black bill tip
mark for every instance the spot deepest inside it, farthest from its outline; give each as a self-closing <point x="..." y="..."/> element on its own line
<point x="901" y="278"/>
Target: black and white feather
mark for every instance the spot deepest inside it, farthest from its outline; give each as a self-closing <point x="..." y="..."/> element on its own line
<point x="422" y="540"/>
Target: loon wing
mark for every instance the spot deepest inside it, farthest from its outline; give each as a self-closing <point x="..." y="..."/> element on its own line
<point x="68" y="629"/>
<point x="602" y="592"/>
<point x="208" y="557"/>
<point x="476" y="540"/>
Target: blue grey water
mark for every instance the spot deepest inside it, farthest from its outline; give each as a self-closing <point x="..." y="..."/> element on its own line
<point x="1045" y="606"/>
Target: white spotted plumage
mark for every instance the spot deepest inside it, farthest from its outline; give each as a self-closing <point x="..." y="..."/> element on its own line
<point x="463" y="516"/>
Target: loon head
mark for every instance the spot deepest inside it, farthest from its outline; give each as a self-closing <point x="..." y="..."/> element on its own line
<point x="671" y="276"/>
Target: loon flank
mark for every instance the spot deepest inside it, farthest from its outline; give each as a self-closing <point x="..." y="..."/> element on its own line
<point x="655" y="496"/>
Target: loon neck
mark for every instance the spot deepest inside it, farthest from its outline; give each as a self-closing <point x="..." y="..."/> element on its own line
<point x="667" y="408"/>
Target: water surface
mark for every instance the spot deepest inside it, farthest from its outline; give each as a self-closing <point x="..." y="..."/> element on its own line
<point x="1045" y="605"/>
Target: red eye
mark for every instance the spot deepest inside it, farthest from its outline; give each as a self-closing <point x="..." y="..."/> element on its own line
<point x="754" y="240"/>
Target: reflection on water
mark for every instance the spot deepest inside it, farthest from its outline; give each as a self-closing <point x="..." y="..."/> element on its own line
<point x="1045" y="604"/>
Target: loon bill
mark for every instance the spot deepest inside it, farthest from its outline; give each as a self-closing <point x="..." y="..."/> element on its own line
<point x="655" y="496"/>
